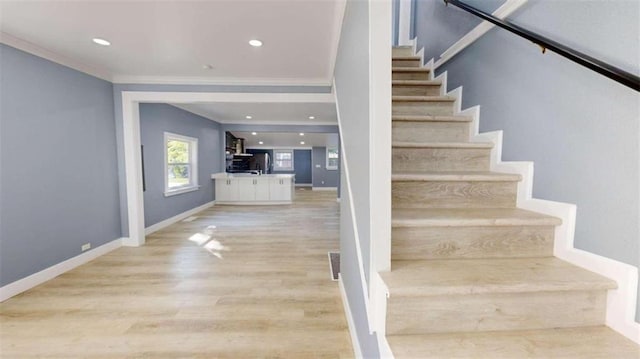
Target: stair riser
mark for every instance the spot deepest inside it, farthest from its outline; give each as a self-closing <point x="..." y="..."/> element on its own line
<point x="419" y="243"/>
<point x="402" y="51"/>
<point x="415" y="90"/>
<point x="406" y="63"/>
<point x="444" y="108"/>
<point x="495" y="312"/>
<point x="453" y="194"/>
<point x="440" y="159"/>
<point x="400" y="75"/>
<point x="423" y="131"/>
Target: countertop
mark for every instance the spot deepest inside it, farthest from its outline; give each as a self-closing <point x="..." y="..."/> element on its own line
<point x="225" y="175"/>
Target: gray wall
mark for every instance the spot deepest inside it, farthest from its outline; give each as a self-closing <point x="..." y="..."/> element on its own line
<point x="352" y="90"/>
<point x="438" y="26"/>
<point x="58" y="186"/>
<point x="580" y="128"/>
<point x="322" y="177"/>
<point x="155" y="120"/>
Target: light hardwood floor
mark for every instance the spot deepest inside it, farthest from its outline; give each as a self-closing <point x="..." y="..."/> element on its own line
<point x="255" y="286"/>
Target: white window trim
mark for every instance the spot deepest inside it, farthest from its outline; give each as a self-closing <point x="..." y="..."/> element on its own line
<point x="193" y="159"/>
<point x="292" y="168"/>
<point x="326" y="157"/>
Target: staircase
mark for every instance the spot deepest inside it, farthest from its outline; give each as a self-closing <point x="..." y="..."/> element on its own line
<point x="472" y="275"/>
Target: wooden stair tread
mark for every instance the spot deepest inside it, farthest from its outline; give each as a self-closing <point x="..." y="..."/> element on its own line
<point x="431" y="118"/>
<point x="416" y="83"/>
<point x="419" y="217"/>
<point x="456" y="176"/>
<point x="584" y="342"/>
<point x="405" y="57"/>
<point x="422" y="98"/>
<point x="494" y="275"/>
<point x="398" y="144"/>
<point x="409" y="69"/>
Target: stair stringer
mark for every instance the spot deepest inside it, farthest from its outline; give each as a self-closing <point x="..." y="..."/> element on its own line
<point x="621" y="302"/>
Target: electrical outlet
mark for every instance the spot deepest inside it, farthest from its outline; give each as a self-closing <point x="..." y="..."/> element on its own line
<point x="86" y="246"/>
<point x="322" y="182"/>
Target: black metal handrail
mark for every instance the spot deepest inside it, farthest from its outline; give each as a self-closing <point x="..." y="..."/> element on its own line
<point x="626" y="78"/>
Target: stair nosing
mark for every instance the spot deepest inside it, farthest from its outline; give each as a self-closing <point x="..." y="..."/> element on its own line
<point x="506" y="282"/>
<point x="405" y="57"/>
<point x="416" y="83"/>
<point x="409" y="69"/>
<point x="462" y="219"/>
<point x="431" y="118"/>
<point x="466" y="145"/>
<point x="455" y="177"/>
<point x="423" y="98"/>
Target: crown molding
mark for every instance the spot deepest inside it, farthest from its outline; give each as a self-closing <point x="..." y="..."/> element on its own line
<point x="191" y="80"/>
<point x="46" y="54"/>
<point x="258" y="122"/>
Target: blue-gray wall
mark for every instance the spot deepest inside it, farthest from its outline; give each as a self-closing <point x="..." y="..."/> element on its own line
<point x="438" y="26"/>
<point x="322" y="177"/>
<point x="155" y="120"/>
<point x="352" y="92"/>
<point x="58" y="186"/>
<point x="581" y="129"/>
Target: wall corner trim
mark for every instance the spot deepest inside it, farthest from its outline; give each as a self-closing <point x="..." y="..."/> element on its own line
<point x="169" y="221"/>
<point x="621" y="302"/>
<point x="24" y="284"/>
<point x="357" y="351"/>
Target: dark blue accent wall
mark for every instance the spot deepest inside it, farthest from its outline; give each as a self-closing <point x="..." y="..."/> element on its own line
<point x="58" y="183"/>
<point x="155" y="120"/>
<point x="301" y="164"/>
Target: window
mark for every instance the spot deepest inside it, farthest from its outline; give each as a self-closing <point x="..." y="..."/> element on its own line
<point x="181" y="164"/>
<point x="333" y="158"/>
<point x="283" y="160"/>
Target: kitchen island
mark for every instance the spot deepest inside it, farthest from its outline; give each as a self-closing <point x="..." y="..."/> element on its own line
<point x="252" y="189"/>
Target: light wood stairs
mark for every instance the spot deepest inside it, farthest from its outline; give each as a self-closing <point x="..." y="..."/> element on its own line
<point x="472" y="276"/>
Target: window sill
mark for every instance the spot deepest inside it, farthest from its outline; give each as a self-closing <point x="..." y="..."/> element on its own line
<point x="331" y="168"/>
<point x="181" y="191"/>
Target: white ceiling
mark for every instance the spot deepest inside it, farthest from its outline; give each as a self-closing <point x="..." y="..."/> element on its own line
<point x="288" y="139"/>
<point x="170" y="41"/>
<point x="266" y="113"/>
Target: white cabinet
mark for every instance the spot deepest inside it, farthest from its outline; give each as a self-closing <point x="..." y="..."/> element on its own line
<point x="226" y="189"/>
<point x="253" y="189"/>
<point x="280" y="189"/>
<point x="264" y="189"/>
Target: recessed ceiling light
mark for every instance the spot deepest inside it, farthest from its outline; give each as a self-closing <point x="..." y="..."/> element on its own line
<point x="312" y="117"/>
<point x="207" y="67"/>
<point x="302" y="142"/>
<point x="301" y="134"/>
<point x="255" y="43"/>
<point x="262" y="143"/>
<point x="254" y="133"/>
<point x="248" y="117"/>
<point x="100" y="41"/>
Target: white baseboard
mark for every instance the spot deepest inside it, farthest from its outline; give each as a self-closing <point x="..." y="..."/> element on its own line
<point x="357" y="351"/>
<point x="169" y="221"/>
<point x="304" y="185"/>
<point x="55" y="270"/>
<point x="253" y="203"/>
<point x="324" y="188"/>
<point x="621" y="302"/>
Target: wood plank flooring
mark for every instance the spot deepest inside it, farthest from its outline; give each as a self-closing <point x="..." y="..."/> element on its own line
<point x="257" y="285"/>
